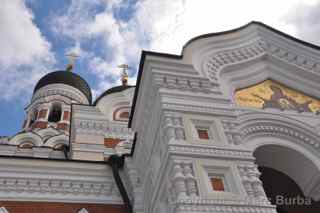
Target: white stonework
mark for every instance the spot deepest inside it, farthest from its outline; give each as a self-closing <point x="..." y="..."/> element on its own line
<point x="171" y="168"/>
<point x="92" y="124"/>
<point x="57" y="181"/>
<point x="199" y="89"/>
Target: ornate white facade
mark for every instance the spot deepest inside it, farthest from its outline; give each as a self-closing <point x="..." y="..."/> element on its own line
<point x="175" y="94"/>
<point x="187" y="147"/>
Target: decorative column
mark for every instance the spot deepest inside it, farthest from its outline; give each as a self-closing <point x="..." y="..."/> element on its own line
<point x="64" y="122"/>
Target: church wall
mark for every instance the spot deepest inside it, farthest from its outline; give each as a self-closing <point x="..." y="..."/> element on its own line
<point x="63" y="181"/>
<point x="188" y="124"/>
<point x="51" y="207"/>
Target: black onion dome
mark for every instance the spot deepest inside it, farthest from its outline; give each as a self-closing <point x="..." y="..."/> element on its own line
<point x="68" y="78"/>
<point x="112" y="90"/>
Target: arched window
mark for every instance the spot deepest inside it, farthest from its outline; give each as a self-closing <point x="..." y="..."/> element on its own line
<point x="33" y="117"/>
<point x="59" y="147"/>
<point x="26" y="145"/>
<point x="55" y="113"/>
<point x="121" y="114"/>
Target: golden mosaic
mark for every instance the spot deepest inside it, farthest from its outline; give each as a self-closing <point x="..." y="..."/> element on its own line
<point x="270" y="94"/>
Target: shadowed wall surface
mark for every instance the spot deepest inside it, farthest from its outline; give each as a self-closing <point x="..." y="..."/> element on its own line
<point x="277" y="183"/>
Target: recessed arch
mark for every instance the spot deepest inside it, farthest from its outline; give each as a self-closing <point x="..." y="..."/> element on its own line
<point x="249" y="73"/>
<point x="28" y="136"/>
<point x="268" y="124"/>
<point x="272" y="94"/>
<point x="57" y="140"/>
<point x="121" y="113"/>
<point x="292" y="161"/>
<point x="55" y="112"/>
<point x="286" y="147"/>
<point x="26" y="145"/>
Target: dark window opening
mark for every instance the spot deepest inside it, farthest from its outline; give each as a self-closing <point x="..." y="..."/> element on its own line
<point x="33" y="117"/>
<point x="55" y="113"/>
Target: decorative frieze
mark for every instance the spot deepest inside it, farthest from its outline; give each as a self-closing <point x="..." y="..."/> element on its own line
<point x="280" y="130"/>
<point x="106" y="128"/>
<point x="200" y="109"/>
<point x="172" y="127"/>
<point x="182" y="208"/>
<point x="62" y="90"/>
<point x="210" y="151"/>
<point x="184" y="83"/>
<point x="237" y="55"/>
<point x="37" y="185"/>
<point x="257" y="49"/>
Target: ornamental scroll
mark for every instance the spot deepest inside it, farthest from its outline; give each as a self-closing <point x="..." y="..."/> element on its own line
<point x="270" y="94"/>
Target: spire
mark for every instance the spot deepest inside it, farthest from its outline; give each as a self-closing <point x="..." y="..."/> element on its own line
<point x="71" y="57"/>
<point x="124" y="74"/>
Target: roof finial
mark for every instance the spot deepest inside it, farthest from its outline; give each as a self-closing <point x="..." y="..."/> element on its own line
<point x="124" y="74"/>
<point x="71" y="57"/>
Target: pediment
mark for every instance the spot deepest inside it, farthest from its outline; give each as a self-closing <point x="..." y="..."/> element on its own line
<point x="272" y="94"/>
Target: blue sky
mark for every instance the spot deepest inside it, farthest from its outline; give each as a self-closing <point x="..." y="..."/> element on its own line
<point x="36" y="35"/>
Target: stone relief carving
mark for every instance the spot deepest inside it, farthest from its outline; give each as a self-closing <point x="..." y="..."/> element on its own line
<point x="294" y="135"/>
<point x="255" y="50"/>
<point x="57" y="186"/>
<point x="173" y="128"/>
<point x="183" y="181"/>
<point x="250" y="178"/>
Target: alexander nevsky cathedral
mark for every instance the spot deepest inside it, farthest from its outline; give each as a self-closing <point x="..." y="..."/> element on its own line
<point x="232" y="125"/>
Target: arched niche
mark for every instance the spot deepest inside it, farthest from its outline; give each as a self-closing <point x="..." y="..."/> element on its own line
<point x="26" y="137"/>
<point x="238" y="76"/>
<point x="57" y="140"/>
<point x="288" y="174"/>
<point x="121" y="113"/>
<point x="271" y="94"/>
<point x="113" y="104"/>
<point x="286" y="145"/>
<point x="292" y="159"/>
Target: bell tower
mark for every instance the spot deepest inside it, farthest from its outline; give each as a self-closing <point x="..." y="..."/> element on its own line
<point x="52" y="98"/>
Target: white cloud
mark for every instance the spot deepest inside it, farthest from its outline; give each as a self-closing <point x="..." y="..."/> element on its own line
<point x="162" y="26"/>
<point x="305" y="19"/>
<point x="24" y="54"/>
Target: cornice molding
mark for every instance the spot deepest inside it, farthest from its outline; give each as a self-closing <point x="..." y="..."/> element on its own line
<point x="56" y="181"/>
<point x="106" y="128"/>
<point x="59" y="89"/>
<point x="254" y="125"/>
<point x="206" y="151"/>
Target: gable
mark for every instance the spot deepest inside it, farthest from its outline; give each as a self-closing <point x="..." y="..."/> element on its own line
<point x="271" y="94"/>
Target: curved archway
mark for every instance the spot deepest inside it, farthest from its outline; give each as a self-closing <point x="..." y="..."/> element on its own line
<point x="57" y="140"/>
<point x="27" y="136"/>
<point x="55" y="112"/>
<point x="286" y="151"/>
<point x="289" y="178"/>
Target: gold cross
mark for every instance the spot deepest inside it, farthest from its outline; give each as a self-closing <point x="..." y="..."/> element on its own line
<point x="124" y="74"/>
<point x="72" y="58"/>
